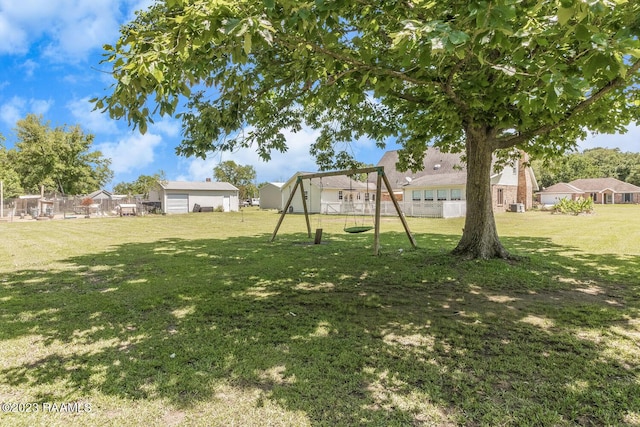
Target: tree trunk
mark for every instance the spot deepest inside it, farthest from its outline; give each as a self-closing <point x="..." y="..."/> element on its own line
<point x="479" y="237"/>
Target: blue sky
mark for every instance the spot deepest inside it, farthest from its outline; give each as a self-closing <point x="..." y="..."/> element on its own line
<point x="49" y="65"/>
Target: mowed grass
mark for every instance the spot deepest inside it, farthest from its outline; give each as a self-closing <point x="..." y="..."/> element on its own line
<point x="198" y="320"/>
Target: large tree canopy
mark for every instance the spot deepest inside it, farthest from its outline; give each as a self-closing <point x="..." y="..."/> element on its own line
<point x="58" y="158"/>
<point x="478" y="76"/>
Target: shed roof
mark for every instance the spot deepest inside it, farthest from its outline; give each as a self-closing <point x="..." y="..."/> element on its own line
<point x="198" y="186"/>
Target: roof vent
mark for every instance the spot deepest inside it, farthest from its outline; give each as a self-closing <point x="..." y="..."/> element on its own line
<point x="436" y="166"/>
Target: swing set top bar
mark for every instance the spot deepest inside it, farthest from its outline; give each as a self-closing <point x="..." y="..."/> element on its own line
<point x="378" y="169"/>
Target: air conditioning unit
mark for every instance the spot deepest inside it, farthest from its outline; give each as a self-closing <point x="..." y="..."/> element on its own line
<point x="516" y="207"/>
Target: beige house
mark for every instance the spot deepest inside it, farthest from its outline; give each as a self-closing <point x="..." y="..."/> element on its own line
<point x="439" y="189"/>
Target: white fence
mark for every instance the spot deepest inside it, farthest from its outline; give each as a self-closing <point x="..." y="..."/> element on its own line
<point x="442" y="209"/>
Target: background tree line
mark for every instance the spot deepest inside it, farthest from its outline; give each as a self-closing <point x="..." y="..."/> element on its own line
<point x="592" y="163"/>
<point x="60" y="159"/>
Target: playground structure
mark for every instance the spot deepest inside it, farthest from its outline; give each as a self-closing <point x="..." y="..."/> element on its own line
<point x="381" y="177"/>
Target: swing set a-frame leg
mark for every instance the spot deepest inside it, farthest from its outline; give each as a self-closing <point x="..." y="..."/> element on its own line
<point x="399" y="211"/>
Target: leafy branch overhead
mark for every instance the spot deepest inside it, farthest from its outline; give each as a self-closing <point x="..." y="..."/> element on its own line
<point x="528" y="71"/>
<point x="476" y="76"/>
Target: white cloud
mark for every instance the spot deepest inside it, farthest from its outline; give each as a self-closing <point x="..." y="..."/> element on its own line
<point x="72" y="28"/>
<point x="40" y="106"/>
<point x="280" y="168"/>
<point x="17" y="108"/>
<point x="91" y="120"/>
<point x="132" y="152"/>
<point x="627" y="142"/>
<point x="11" y="112"/>
<point x="166" y="126"/>
<point x="29" y="67"/>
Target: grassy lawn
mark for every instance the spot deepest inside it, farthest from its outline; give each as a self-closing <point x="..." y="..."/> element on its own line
<point x="198" y="320"/>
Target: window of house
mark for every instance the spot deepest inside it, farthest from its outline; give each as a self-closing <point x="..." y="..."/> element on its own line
<point x="340" y="195"/>
<point x="442" y="194"/>
<point x="306" y="195"/>
<point x="456" y="194"/>
<point x="416" y="195"/>
<point x="627" y="197"/>
<point x="366" y="197"/>
<point x="594" y="197"/>
<point x="428" y="195"/>
<point x="500" y="197"/>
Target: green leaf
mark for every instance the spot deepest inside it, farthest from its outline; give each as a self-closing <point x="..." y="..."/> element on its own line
<point x="564" y="15"/>
<point x="157" y="74"/>
<point x="247" y="43"/>
<point x="458" y="37"/>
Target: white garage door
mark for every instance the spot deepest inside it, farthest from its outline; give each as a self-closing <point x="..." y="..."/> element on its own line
<point x="177" y="203"/>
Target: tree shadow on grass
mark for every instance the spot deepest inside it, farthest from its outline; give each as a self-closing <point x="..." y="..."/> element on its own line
<point x="412" y="337"/>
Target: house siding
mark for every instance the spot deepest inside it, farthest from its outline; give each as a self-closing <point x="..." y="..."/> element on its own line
<point x="270" y="196"/>
<point x="509" y="196"/>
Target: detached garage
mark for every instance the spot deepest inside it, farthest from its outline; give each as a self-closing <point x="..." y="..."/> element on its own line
<point x="177" y="197"/>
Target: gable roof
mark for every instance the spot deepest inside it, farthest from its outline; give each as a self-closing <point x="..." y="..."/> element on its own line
<point x="597" y="185"/>
<point x="435" y="162"/>
<point x="100" y="194"/>
<point x="275" y="184"/>
<point x="198" y="186"/>
<point x="562" y="188"/>
<point x="436" y="179"/>
<point x="341" y="182"/>
<point x="335" y="182"/>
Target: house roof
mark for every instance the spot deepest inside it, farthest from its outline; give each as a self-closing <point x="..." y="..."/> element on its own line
<point x="336" y="182"/>
<point x="562" y="188"/>
<point x="341" y="182"/>
<point x="435" y="162"/>
<point x="436" y="179"/>
<point x="596" y="185"/>
<point x="198" y="186"/>
<point x="100" y="194"/>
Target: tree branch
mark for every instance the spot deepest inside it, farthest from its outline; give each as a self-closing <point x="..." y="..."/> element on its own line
<point x="578" y="108"/>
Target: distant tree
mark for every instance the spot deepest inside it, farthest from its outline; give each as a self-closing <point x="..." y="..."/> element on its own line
<point x="591" y="163"/>
<point x="238" y="175"/>
<point x="612" y="162"/>
<point x="58" y="158"/>
<point x="140" y="186"/>
<point x="634" y="174"/>
<point x="9" y="177"/>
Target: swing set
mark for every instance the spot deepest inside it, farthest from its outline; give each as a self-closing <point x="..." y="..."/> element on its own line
<point x="381" y="177"/>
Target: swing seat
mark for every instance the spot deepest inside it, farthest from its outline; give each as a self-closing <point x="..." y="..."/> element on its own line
<point x="358" y="229"/>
